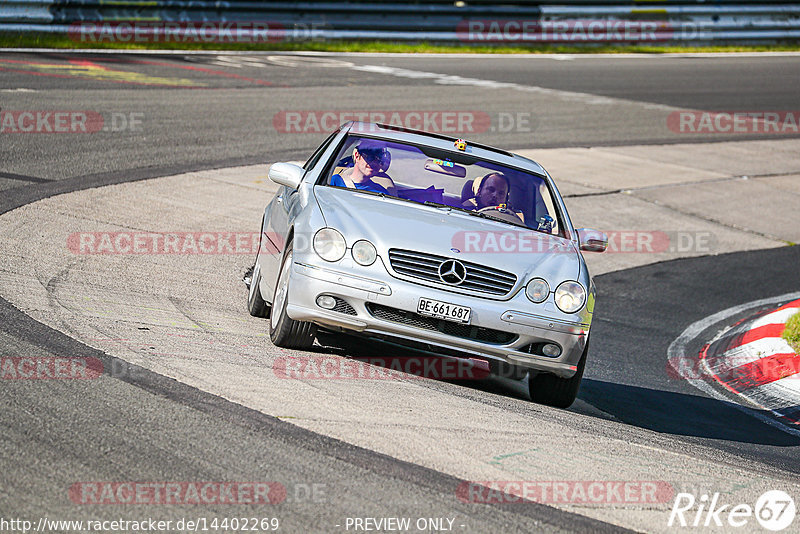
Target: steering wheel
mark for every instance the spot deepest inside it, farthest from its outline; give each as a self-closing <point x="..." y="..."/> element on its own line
<point x="502" y="213"/>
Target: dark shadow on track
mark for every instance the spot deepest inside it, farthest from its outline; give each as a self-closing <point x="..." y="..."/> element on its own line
<point x="393" y="356"/>
<point x="677" y="413"/>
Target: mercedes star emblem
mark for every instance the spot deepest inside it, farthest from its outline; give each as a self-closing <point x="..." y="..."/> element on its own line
<point x="452" y="272"/>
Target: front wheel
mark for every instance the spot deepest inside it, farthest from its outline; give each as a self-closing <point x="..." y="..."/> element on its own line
<point x="255" y="302"/>
<point x="549" y="389"/>
<point x="284" y="331"/>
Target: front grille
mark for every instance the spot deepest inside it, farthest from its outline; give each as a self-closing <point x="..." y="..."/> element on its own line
<point x="465" y="331"/>
<point x="426" y="267"/>
<point x="342" y="306"/>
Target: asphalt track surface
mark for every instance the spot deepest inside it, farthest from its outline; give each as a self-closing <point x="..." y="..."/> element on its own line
<point x="144" y="426"/>
<point x="228" y="118"/>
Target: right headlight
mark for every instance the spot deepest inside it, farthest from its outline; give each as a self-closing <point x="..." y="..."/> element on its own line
<point x="570" y="297"/>
<point x="329" y="244"/>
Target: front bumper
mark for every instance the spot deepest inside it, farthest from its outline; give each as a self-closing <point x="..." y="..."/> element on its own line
<point x="521" y="323"/>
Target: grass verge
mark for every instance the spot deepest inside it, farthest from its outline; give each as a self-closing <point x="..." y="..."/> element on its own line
<point x="49" y="40"/>
<point x="792" y="332"/>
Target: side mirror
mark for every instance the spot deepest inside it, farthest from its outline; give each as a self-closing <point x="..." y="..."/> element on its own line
<point x="287" y="174"/>
<point x="592" y="240"/>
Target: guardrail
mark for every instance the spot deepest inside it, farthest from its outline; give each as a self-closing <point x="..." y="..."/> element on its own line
<point x="474" y="22"/>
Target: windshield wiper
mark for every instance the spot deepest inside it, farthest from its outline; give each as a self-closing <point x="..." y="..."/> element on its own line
<point x="437" y="204"/>
<point x="488" y="215"/>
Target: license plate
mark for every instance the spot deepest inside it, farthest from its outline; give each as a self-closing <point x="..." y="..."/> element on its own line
<point x="443" y="310"/>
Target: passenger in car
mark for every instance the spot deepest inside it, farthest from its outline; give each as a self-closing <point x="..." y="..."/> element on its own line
<point x="370" y="160"/>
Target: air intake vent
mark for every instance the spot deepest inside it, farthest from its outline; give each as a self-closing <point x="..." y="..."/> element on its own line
<point x="342" y="306"/>
<point x="487" y="335"/>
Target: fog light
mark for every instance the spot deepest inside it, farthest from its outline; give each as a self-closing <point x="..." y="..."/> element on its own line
<point x="326" y="301"/>
<point x="551" y="350"/>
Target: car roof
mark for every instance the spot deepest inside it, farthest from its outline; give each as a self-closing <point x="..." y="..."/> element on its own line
<point x="484" y="152"/>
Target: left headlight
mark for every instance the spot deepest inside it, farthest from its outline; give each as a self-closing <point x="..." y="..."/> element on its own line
<point x="537" y="290"/>
<point x="570" y="297"/>
<point x="329" y="244"/>
<point x="364" y="252"/>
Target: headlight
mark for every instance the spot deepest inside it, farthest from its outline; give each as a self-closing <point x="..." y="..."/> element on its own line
<point x="570" y="297"/>
<point x="537" y="290"/>
<point x="364" y="252"/>
<point x="329" y="244"/>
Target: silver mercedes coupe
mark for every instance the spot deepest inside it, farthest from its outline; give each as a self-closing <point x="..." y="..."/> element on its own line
<point x="429" y="241"/>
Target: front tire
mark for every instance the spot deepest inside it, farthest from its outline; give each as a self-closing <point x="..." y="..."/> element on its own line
<point x="255" y="302"/>
<point x="284" y="331"/>
<point x="549" y="389"/>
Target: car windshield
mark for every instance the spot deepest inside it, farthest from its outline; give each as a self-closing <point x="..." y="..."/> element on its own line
<point x="443" y="178"/>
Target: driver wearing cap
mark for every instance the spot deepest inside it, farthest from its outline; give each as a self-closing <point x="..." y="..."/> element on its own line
<point x="370" y="159"/>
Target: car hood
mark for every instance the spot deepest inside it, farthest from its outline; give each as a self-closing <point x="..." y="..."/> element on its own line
<point x="392" y="223"/>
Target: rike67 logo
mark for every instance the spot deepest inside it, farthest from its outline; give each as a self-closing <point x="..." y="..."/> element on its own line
<point x="774" y="510"/>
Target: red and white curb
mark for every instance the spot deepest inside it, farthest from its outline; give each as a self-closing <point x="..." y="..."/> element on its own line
<point x="752" y="360"/>
<point x="749" y="359"/>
